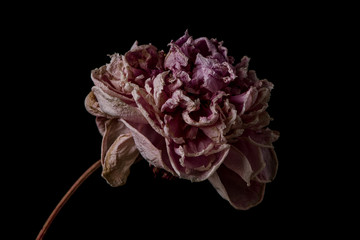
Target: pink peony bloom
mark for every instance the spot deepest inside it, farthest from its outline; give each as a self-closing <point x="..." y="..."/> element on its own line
<point x="190" y="112"/>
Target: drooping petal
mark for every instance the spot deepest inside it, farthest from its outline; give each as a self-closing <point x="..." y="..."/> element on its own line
<point x="263" y="139"/>
<point x="269" y="172"/>
<point x="116" y="108"/>
<point x="252" y="153"/>
<point x="238" y="163"/>
<point x="256" y="121"/>
<point x="118" y="159"/>
<point x="233" y="188"/>
<point x="150" y="144"/>
<point x="113" y="129"/>
<point x="100" y="123"/>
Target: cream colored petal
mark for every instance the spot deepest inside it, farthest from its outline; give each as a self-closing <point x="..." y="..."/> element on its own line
<point x="114" y="107"/>
<point x="118" y="159"/>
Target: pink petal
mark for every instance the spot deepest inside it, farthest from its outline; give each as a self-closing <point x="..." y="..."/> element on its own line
<point x="199" y="146"/>
<point x="204" y="117"/>
<point x="198" y="168"/>
<point x="175" y="158"/>
<point x="215" y="132"/>
<point x="175" y="60"/>
<point x="160" y="95"/>
<point x="146" y="105"/>
<point x="179" y="99"/>
<point x="252" y="153"/>
<point x="209" y="48"/>
<point x="244" y="101"/>
<point x="256" y="121"/>
<point x="174" y="128"/>
<point x="116" y="108"/>
<point x="263" y="139"/>
<point x="242" y="68"/>
<point x="150" y="144"/>
<point x="145" y="58"/>
<point x="269" y="172"/>
<point x="238" y="163"/>
<point x="233" y="188"/>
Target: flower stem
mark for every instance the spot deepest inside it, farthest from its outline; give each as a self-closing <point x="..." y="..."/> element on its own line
<point x="66" y="197"/>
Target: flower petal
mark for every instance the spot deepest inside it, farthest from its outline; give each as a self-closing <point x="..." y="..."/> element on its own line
<point x="197" y="168"/>
<point x="113" y="129"/>
<point x="263" y="139"/>
<point x="238" y="163"/>
<point x="242" y="68"/>
<point x="203" y="117"/>
<point x="245" y="100"/>
<point x="104" y="80"/>
<point x="213" y="75"/>
<point x="160" y="95"/>
<point x="150" y="144"/>
<point x="174" y="128"/>
<point x="116" y="108"/>
<point x="252" y="153"/>
<point x="175" y="60"/>
<point x="269" y="172"/>
<point x="233" y="188"/>
<point x="100" y="123"/>
<point x="146" y="105"/>
<point x="92" y="105"/>
<point x="118" y="160"/>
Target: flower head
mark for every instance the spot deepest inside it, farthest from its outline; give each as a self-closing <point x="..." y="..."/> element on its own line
<point x="191" y="112"/>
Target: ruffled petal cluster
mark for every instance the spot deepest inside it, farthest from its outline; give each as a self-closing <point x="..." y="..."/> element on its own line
<point x="191" y="112"/>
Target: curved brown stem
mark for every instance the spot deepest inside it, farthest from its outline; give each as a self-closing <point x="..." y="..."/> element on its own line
<point x="66" y="197"/>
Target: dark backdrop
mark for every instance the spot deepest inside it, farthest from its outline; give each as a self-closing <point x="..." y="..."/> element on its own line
<point x="56" y="48"/>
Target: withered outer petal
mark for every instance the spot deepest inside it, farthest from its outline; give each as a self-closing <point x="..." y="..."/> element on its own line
<point x="92" y="105"/>
<point x="118" y="159"/>
<point x="114" y="107"/>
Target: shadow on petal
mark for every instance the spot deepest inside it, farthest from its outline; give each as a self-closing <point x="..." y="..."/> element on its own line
<point x="234" y="189"/>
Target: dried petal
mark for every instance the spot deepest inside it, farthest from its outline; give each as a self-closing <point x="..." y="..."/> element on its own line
<point x="234" y="189"/>
<point x="114" y="107"/>
<point x="150" y="145"/>
<point x="192" y="113"/>
<point x="118" y="160"/>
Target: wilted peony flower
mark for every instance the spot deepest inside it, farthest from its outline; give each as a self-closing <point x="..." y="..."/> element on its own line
<point x="190" y="112"/>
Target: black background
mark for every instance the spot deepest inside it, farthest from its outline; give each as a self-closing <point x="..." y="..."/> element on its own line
<point x="55" y="140"/>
